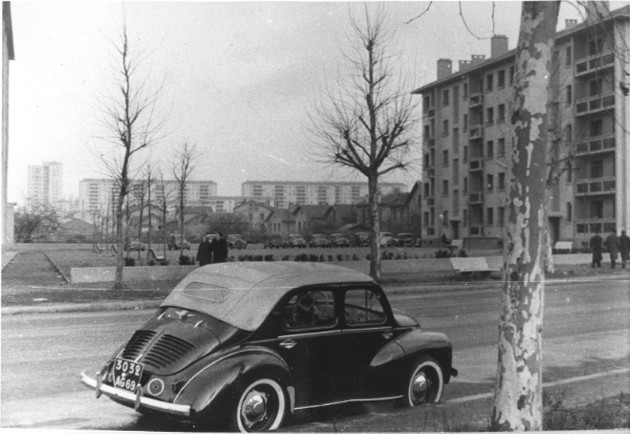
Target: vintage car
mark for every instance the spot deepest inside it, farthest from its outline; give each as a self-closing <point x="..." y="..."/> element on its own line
<point x="319" y="240"/>
<point x="246" y="343"/>
<point x="236" y="241"/>
<point x="297" y="240"/>
<point x="340" y="240"/>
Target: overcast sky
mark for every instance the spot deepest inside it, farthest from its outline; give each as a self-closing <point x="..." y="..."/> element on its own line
<point x="237" y="79"/>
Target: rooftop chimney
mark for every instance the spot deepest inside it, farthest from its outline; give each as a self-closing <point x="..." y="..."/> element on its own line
<point x="569" y="24"/>
<point x="444" y="68"/>
<point x="463" y="64"/>
<point x="498" y="45"/>
<point x="477" y="58"/>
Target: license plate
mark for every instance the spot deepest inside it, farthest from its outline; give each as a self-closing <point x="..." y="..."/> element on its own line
<point x="127" y="374"/>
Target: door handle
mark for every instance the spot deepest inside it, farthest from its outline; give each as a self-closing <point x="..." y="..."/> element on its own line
<point x="288" y="344"/>
<point x="387" y="335"/>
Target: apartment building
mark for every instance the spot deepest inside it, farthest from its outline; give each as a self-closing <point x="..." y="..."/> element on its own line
<point x="44" y="185"/>
<point x="96" y="194"/>
<point x="467" y="136"/>
<point x="287" y="193"/>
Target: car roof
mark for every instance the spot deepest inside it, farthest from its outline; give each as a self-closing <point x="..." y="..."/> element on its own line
<point x="244" y="293"/>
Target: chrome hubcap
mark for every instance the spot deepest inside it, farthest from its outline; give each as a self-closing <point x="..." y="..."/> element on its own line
<point x="254" y="407"/>
<point x="420" y="387"/>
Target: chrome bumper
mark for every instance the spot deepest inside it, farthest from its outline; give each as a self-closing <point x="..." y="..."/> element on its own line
<point x="137" y="399"/>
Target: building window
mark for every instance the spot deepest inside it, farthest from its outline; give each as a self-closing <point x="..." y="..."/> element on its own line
<point x="569" y="99"/>
<point x="501" y="79"/>
<point x="595" y="46"/>
<point x="501" y="181"/>
<point x="465" y="91"/>
<point x="455" y="172"/>
<point x="490" y="216"/>
<point x="489" y="82"/>
<point x="445" y="218"/>
<point x="465" y="125"/>
<point x="597" y="169"/>
<point x="501" y="114"/>
<point x="445" y="128"/>
<point x="455" y="141"/>
<point x="511" y="77"/>
<point x="445" y="101"/>
<point x="465" y="157"/>
<point x="568" y="58"/>
<point x="569" y="211"/>
<point x="426" y="218"/>
<point x="427" y="101"/>
<point x="445" y="157"/>
<point x="445" y="187"/>
<point x="427" y="132"/>
<point x="597" y="209"/>
<point x="426" y="189"/>
<point x="501" y="148"/>
<point x="595" y="87"/>
<point x="490" y="181"/>
<point x="501" y="215"/>
<point x="490" y="149"/>
<point x="465" y="184"/>
<point x="596" y="127"/>
<point x="490" y="115"/>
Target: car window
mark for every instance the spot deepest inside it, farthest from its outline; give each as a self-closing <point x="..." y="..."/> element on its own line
<point x="312" y="308"/>
<point x="363" y="307"/>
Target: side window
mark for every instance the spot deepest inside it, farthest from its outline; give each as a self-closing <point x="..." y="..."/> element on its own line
<point x="310" y="308"/>
<point x="363" y="307"/>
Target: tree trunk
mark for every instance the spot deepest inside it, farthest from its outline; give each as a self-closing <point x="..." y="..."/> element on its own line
<point x="118" y="279"/>
<point x="375" y="228"/>
<point x="518" y="389"/>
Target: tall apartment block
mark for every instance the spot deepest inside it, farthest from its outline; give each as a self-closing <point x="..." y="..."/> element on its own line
<point x="467" y="136"/>
<point x="285" y="193"/>
<point x="44" y="186"/>
<point x="96" y="194"/>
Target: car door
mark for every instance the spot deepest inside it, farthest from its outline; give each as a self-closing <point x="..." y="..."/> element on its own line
<point x="367" y="327"/>
<point x="308" y="341"/>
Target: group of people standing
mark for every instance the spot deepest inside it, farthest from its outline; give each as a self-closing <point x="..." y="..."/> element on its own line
<point x="212" y="251"/>
<point x="614" y="244"/>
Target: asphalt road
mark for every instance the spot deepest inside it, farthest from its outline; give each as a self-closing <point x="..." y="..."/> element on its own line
<point x="587" y="331"/>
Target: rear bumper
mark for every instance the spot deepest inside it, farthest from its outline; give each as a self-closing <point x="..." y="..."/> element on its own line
<point x="136" y="400"/>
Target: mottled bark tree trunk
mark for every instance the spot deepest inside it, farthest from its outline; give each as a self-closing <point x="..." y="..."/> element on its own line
<point x="375" y="225"/>
<point x="518" y="389"/>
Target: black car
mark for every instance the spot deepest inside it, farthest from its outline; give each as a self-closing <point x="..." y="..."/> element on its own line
<point x="246" y="343"/>
<point x="236" y="241"/>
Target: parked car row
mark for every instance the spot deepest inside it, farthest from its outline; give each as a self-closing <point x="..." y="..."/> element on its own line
<point x="358" y="239"/>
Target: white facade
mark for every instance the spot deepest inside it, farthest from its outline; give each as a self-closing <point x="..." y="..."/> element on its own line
<point x="285" y="193"/>
<point x="45" y="184"/>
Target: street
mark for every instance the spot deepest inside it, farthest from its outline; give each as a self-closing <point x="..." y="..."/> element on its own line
<point x="587" y="330"/>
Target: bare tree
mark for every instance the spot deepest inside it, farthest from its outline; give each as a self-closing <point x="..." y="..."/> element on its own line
<point x="129" y="118"/>
<point x="182" y="168"/>
<point x="367" y="122"/>
<point x="518" y="388"/>
<point x="149" y="182"/>
<point x="38" y="222"/>
<point x="163" y="198"/>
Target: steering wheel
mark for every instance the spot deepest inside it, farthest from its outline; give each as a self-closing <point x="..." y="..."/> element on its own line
<point x="307" y="305"/>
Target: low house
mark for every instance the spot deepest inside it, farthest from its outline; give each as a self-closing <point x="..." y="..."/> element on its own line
<point x="254" y="213"/>
<point x="281" y="221"/>
<point x="75" y="230"/>
<point x="398" y="212"/>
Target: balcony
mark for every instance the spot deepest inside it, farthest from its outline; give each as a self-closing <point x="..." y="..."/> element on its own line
<point x="475" y="132"/>
<point x="595" y="186"/>
<point x="594" y="104"/>
<point x="476" y="164"/>
<point x="475" y="100"/>
<point x="597" y="62"/>
<point x="475" y="198"/>
<point x="596" y="145"/>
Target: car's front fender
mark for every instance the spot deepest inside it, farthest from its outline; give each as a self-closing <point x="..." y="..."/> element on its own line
<point x="214" y="388"/>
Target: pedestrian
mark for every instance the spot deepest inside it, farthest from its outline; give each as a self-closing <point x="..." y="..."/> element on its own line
<point x="220" y="248"/>
<point x="624" y="248"/>
<point x="596" y="247"/>
<point x="204" y="252"/>
<point x="612" y="244"/>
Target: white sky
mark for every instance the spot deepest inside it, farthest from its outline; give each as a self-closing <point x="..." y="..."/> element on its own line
<point x="237" y="78"/>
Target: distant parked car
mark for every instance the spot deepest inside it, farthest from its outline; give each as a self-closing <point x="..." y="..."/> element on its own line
<point x="361" y="239"/>
<point x="236" y="241"/>
<point x="387" y="239"/>
<point x="173" y="244"/>
<point x="340" y="240"/>
<point x="297" y="240"/>
<point x="319" y="240"/>
<point x="136" y="245"/>
<point x="275" y="242"/>
<point x="406" y="239"/>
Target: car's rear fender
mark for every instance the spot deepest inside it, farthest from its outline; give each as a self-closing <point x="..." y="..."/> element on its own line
<point x="213" y="389"/>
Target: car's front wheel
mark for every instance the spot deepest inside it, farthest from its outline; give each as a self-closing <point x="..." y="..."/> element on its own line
<point x="261" y="407"/>
<point x="425" y="383"/>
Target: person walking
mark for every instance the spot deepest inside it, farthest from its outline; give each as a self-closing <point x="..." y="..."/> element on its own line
<point x="624" y="248"/>
<point x="612" y="244"/>
<point x="220" y="248"/>
<point x="204" y="252"/>
<point x="596" y="247"/>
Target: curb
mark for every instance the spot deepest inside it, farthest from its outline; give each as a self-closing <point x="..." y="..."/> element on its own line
<point x="393" y="289"/>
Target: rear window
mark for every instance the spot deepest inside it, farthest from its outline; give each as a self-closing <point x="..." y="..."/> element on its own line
<point x="211" y="293"/>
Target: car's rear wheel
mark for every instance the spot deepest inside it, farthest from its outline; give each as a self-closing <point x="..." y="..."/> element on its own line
<point x="261" y="407"/>
<point x="425" y="383"/>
